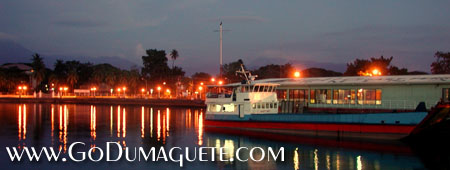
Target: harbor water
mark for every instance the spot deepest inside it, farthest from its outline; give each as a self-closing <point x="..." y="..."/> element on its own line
<point x="59" y="126"/>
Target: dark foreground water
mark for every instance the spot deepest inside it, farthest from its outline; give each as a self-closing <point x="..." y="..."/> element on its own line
<point x="58" y="126"/>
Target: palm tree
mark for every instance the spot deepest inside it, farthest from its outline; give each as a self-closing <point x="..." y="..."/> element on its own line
<point x="38" y="68"/>
<point x="174" y="55"/>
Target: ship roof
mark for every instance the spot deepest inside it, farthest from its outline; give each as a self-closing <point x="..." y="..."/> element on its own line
<point x="358" y="80"/>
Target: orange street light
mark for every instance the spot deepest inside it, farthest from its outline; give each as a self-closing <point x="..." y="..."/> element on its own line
<point x="94" y="89"/>
<point x="118" y="89"/>
<point x="297" y="74"/>
<point x="20" y="87"/>
<point x="201" y="83"/>
<point x="220" y="82"/>
<point x="376" y="72"/>
<point x="213" y="79"/>
<point x="142" y="90"/>
<point x="159" y="91"/>
<point x="164" y="83"/>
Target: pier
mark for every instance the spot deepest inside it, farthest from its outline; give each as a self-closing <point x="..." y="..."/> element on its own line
<point x="115" y="101"/>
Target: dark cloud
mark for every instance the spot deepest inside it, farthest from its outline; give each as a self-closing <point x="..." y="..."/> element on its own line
<point x="80" y="23"/>
<point x="238" y="19"/>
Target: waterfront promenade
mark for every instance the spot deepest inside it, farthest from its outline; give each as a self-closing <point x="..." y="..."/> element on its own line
<point x="128" y="100"/>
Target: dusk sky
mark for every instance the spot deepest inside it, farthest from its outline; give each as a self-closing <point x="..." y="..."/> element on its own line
<point x="305" y="33"/>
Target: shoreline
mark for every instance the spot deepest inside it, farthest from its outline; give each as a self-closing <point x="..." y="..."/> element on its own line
<point x="115" y="101"/>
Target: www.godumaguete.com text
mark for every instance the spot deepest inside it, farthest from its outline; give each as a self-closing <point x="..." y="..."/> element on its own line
<point x="115" y="152"/>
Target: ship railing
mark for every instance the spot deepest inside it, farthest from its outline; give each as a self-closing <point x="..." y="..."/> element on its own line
<point x="383" y="104"/>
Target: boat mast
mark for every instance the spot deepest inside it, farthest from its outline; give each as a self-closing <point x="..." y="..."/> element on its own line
<point x="220" y="49"/>
<point x="248" y="78"/>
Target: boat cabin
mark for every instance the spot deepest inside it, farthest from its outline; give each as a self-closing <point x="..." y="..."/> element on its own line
<point x="255" y="98"/>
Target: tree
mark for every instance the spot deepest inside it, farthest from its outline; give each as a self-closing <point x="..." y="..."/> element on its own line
<point x="362" y="65"/>
<point x="38" y="68"/>
<point x="155" y="65"/>
<point x="201" y="76"/>
<point x="229" y="71"/>
<point x="174" y="55"/>
<point x="382" y="64"/>
<point x="72" y="78"/>
<point x="442" y="63"/>
<point x="319" y="72"/>
<point x="274" y="71"/>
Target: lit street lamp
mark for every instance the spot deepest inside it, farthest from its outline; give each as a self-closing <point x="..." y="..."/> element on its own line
<point x="159" y="91"/>
<point x="168" y="92"/>
<point x="200" y="89"/>
<point x="93" y="89"/>
<point x="22" y="89"/>
<point x="297" y="74"/>
<point x="65" y="90"/>
<point x="142" y="91"/>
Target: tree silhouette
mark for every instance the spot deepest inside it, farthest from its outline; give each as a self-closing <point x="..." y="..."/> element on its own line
<point x="38" y="68"/>
<point x="174" y="55"/>
<point x="442" y="63"/>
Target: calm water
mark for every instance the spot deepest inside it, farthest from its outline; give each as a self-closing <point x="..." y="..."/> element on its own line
<point x="59" y="125"/>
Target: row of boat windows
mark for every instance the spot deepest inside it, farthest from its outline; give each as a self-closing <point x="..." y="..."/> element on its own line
<point x="258" y="88"/>
<point x="333" y="96"/>
<point x="264" y="105"/>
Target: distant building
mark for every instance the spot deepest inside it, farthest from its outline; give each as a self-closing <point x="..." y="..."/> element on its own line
<point x="24" y="68"/>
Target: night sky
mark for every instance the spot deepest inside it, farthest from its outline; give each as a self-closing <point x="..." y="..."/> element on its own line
<point x="305" y="33"/>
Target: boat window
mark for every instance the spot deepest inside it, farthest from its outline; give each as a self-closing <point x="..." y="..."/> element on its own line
<point x="335" y="96"/>
<point x="267" y="105"/>
<point x="329" y="95"/>
<point x="313" y="96"/>
<point x="321" y="96"/>
<point x="275" y="105"/>
<point x="254" y="105"/>
<point x="360" y="96"/>
<point x="215" y="108"/>
<point x="263" y="106"/>
<point x="298" y="94"/>
<point x="378" y="97"/>
<point x="281" y="94"/>
<point x="369" y="96"/>
<point x="229" y="107"/>
<point x="271" y="105"/>
<point x="259" y="105"/>
<point x="344" y="96"/>
<point x="353" y="96"/>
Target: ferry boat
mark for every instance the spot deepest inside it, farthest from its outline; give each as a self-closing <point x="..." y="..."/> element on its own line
<point x="379" y="107"/>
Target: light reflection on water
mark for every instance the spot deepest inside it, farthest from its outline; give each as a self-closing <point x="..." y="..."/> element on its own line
<point x="182" y="127"/>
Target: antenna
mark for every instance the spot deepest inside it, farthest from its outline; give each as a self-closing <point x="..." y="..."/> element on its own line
<point x="249" y="78"/>
<point x="220" y="48"/>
